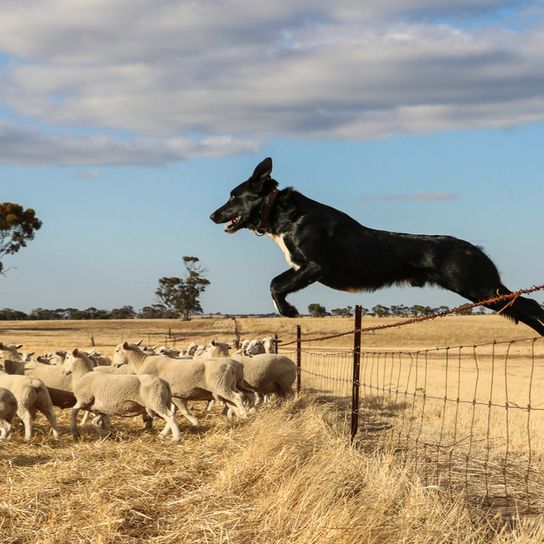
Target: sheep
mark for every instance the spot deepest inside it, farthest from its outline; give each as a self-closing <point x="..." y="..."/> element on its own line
<point x="53" y="358"/>
<point x="98" y="359"/>
<point x="10" y="351"/>
<point x="117" y="395"/>
<point x="58" y="385"/>
<point x="8" y="410"/>
<point x="270" y="344"/>
<point x="269" y="373"/>
<point x="201" y="379"/>
<point x="31" y="395"/>
<point x="216" y="349"/>
<point x="191" y="348"/>
<point x="255" y="347"/>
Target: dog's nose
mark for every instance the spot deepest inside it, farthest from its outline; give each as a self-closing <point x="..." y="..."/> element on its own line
<point x="212" y="217"/>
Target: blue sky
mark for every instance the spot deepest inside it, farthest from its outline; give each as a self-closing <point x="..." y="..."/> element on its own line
<point x="423" y="116"/>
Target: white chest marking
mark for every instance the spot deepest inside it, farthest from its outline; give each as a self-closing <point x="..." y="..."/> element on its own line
<point x="283" y="247"/>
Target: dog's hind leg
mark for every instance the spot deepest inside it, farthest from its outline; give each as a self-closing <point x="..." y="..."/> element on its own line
<point x="522" y="309"/>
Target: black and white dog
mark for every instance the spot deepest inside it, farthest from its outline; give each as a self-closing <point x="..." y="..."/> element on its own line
<point x="326" y="245"/>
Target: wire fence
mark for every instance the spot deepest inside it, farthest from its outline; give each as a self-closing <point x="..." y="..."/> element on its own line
<point x="468" y="418"/>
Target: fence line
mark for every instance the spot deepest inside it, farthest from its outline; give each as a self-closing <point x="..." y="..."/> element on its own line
<point x="466" y="416"/>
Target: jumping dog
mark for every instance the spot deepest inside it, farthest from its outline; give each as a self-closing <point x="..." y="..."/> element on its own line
<point x="328" y="246"/>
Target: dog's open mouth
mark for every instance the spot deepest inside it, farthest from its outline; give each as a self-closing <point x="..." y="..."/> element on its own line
<point x="232" y="224"/>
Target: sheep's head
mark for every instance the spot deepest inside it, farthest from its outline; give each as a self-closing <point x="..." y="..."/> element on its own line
<point x="120" y="355"/>
<point x="76" y="359"/>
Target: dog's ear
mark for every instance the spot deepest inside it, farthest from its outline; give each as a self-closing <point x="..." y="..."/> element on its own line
<point x="263" y="170"/>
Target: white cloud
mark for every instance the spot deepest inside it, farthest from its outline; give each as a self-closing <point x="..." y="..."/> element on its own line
<point x="26" y="145"/>
<point x="312" y="69"/>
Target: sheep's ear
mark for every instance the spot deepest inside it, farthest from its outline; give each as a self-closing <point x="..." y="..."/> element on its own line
<point x="126" y="345"/>
<point x="75" y="352"/>
<point x="60" y="353"/>
<point x="18" y="346"/>
<point x="1" y="345"/>
<point x="138" y="343"/>
<point x="213" y="343"/>
<point x="30" y="354"/>
<point x="153" y="347"/>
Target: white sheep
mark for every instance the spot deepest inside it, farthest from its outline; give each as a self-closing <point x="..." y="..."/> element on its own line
<point x="98" y="359"/>
<point x="199" y="379"/>
<point x="32" y="396"/>
<point x="8" y="410"/>
<point x="270" y="344"/>
<point x="268" y="373"/>
<point x="10" y="351"/>
<point x="117" y="395"/>
<point x="255" y="347"/>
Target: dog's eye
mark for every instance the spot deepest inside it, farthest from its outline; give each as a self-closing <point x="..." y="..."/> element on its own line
<point x="232" y="198"/>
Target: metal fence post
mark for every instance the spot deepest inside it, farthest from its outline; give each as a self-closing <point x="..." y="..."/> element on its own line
<point x="356" y="372"/>
<point x="299" y="356"/>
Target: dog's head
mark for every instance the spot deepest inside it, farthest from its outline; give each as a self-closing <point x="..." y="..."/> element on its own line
<point x="244" y="207"/>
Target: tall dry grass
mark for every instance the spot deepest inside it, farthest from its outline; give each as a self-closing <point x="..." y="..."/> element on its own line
<point x="286" y="475"/>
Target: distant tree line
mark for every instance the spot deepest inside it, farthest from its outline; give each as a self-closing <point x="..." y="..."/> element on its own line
<point x="155" y="311"/>
<point x="396" y="310"/>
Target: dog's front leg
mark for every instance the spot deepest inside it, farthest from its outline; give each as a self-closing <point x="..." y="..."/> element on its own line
<point x="290" y="281"/>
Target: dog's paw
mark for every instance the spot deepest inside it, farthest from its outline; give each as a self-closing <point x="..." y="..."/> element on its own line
<point x="289" y="311"/>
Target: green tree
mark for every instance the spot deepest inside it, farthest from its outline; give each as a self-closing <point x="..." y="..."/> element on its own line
<point x="343" y="312"/>
<point x="316" y="310"/>
<point x="125" y="312"/>
<point x="182" y="294"/>
<point x="17" y="227"/>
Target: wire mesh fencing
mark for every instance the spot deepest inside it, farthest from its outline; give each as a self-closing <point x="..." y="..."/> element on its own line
<point x="468" y="418"/>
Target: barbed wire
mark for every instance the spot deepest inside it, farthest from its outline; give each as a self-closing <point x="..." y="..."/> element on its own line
<point x="511" y="297"/>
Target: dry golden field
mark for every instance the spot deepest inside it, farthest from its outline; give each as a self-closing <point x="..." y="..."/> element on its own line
<point x="288" y="473"/>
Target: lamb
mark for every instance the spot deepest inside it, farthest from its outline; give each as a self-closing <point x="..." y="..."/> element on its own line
<point x="270" y="344"/>
<point x="32" y="396"/>
<point x="98" y="359"/>
<point x="255" y="347"/>
<point x="201" y="379"/>
<point x="269" y="373"/>
<point x="10" y="351"/>
<point x="53" y="358"/>
<point x="216" y="349"/>
<point x="8" y="410"/>
<point x="117" y="395"/>
<point x="58" y="384"/>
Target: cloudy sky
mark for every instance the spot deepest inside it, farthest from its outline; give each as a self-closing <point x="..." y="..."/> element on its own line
<point x="125" y="123"/>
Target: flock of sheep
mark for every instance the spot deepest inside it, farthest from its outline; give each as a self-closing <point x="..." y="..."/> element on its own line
<point x="151" y="381"/>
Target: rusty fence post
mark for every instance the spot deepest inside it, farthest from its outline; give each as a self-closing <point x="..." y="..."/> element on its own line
<point x="299" y="357"/>
<point x="356" y="372"/>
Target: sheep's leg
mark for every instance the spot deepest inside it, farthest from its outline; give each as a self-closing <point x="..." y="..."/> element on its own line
<point x="73" y="423"/>
<point x="85" y="417"/>
<point x="210" y="405"/>
<point x="5" y="429"/>
<point x="258" y="398"/>
<point x="171" y="424"/>
<point x="183" y="408"/>
<point x="102" y="425"/>
<point x="28" y="423"/>
<point x="147" y="418"/>
<point x="49" y="414"/>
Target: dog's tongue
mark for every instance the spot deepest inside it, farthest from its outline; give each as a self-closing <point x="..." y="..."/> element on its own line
<point x="232" y="223"/>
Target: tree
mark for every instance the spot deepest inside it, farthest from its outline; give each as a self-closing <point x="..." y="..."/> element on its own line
<point x="316" y="310"/>
<point x="182" y="294"/>
<point x="17" y="227"/>
<point x="381" y="311"/>
<point x="343" y="312"/>
<point x="125" y="312"/>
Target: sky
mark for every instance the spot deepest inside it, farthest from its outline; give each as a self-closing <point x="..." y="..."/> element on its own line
<point x="125" y="123"/>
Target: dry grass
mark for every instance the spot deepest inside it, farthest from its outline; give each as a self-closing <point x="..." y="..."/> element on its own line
<point x="288" y="474"/>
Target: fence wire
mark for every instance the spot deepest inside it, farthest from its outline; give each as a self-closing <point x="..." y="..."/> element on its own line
<point x="468" y="418"/>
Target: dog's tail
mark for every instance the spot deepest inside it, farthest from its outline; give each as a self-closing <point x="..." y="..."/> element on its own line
<point x="522" y="309"/>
